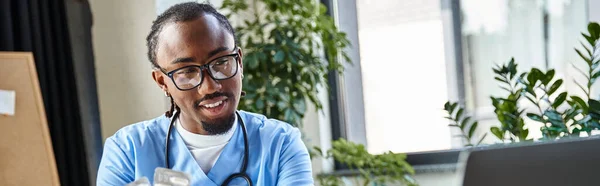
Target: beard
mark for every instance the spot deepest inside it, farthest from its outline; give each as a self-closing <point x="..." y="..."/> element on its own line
<point x="218" y="126"/>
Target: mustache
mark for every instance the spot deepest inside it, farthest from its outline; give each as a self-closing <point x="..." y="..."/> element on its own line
<point x="214" y="95"/>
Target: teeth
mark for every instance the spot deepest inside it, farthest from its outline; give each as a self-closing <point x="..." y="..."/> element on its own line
<point x="212" y="105"/>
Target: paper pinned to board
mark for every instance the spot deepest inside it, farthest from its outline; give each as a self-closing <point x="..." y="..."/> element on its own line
<point x="7" y="102"/>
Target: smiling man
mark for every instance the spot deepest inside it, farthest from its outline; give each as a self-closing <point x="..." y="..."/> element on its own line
<point x="197" y="64"/>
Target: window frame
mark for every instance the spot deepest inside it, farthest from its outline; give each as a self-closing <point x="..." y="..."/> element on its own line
<point x="350" y="123"/>
<point x="426" y="161"/>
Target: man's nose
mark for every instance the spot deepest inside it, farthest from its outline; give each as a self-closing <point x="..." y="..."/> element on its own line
<point x="209" y="85"/>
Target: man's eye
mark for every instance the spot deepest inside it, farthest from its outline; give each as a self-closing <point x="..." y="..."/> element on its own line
<point x="187" y="71"/>
<point x="221" y="62"/>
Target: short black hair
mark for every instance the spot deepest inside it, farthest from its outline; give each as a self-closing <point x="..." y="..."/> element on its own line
<point x="182" y="12"/>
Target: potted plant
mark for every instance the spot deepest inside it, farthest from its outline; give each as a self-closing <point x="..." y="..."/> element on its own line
<point x="562" y="115"/>
<point x="381" y="169"/>
<point x="283" y="64"/>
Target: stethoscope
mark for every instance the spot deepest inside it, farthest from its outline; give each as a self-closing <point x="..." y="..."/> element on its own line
<point x="241" y="174"/>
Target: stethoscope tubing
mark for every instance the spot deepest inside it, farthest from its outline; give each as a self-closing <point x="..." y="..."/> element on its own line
<point x="241" y="174"/>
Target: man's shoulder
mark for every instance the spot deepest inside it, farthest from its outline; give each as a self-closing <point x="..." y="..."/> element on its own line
<point x="140" y="130"/>
<point x="267" y="126"/>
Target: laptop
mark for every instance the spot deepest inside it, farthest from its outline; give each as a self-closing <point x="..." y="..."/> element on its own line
<point x="567" y="162"/>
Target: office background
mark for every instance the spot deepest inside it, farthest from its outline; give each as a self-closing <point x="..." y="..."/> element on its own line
<point x="381" y="101"/>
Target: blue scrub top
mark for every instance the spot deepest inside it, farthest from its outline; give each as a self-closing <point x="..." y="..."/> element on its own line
<point x="277" y="155"/>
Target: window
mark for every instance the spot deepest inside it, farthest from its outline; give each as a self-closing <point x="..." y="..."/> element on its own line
<point x="407" y="52"/>
<point x="539" y="34"/>
<point x="403" y="75"/>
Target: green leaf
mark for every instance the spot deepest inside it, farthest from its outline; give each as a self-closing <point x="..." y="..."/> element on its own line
<point x="586" y="59"/>
<point x="586" y="49"/>
<point x="552" y="115"/>
<point x="594" y="105"/>
<point x="472" y="130"/>
<point x="522" y="76"/>
<point x="581" y="71"/>
<point x="554" y="118"/>
<point x="548" y="77"/>
<point x="595" y="124"/>
<point x="555" y="129"/>
<point x="594" y="30"/>
<point x="497" y="132"/>
<point x="582" y="104"/>
<point x="481" y="139"/>
<point x="572" y="112"/>
<point x="464" y="122"/>
<point x="589" y="39"/>
<point x="524" y="134"/>
<point x="459" y="113"/>
<point x="288" y="115"/>
<point x="531" y="100"/>
<point x="576" y="131"/>
<point x="249" y="40"/>
<point x="530" y="90"/>
<point x="318" y="149"/>
<point x="559" y="100"/>
<point x="300" y="106"/>
<point x="555" y="86"/>
<point x="452" y="107"/>
<point x="496" y="71"/>
<point x="504" y="88"/>
<point x="532" y="77"/>
<point x="279" y="56"/>
<point x="249" y="96"/>
<point x="512" y="68"/>
<point x="581" y="87"/>
<point x="501" y="80"/>
<point x="262" y="56"/>
<point x="535" y="117"/>
<point x="282" y="104"/>
<point x="539" y="75"/>
<point x="584" y="119"/>
<point x="260" y="104"/>
<point x="251" y="61"/>
<point x="595" y="76"/>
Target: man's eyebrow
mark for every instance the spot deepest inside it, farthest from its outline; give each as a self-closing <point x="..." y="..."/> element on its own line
<point x="191" y="59"/>
<point x="216" y="51"/>
<point x="183" y="60"/>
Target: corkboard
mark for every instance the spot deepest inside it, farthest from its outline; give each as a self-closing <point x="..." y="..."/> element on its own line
<point x="26" y="155"/>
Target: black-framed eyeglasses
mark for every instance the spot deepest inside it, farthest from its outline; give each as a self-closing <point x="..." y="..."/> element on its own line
<point x="190" y="77"/>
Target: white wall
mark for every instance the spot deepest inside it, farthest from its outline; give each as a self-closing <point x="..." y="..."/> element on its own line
<point x="593" y="15"/>
<point x="126" y="91"/>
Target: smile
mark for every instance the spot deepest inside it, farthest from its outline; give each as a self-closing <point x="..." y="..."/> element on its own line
<point x="213" y="105"/>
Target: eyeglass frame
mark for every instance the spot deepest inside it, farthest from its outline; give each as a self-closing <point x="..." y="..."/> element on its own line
<point x="205" y="67"/>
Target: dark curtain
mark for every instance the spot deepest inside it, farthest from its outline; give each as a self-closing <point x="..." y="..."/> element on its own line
<point x="40" y="26"/>
<point x="79" y="16"/>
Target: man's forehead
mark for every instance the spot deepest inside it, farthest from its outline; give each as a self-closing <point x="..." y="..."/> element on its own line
<point x="199" y="36"/>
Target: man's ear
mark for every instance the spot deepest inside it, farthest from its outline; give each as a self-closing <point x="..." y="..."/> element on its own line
<point x="159" y="79"/>
<point x="241" y="53"/>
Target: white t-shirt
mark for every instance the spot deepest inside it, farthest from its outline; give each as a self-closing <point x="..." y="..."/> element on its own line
<point x="205" y="148"/>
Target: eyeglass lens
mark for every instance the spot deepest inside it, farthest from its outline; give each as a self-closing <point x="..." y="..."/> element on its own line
<point x="220" y="68"/>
